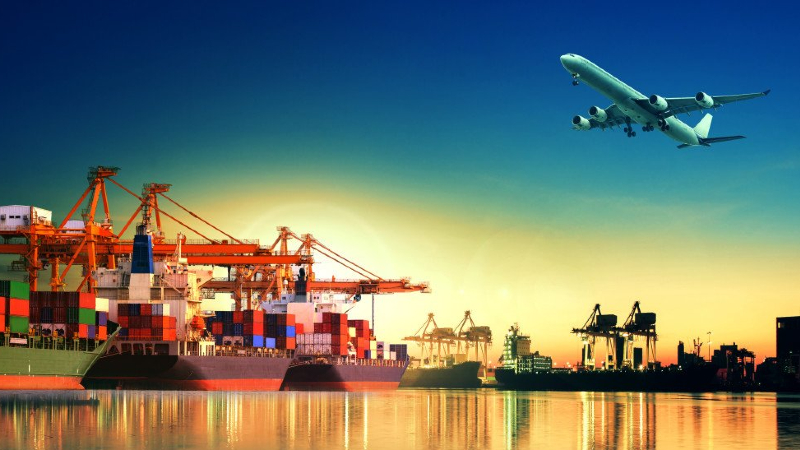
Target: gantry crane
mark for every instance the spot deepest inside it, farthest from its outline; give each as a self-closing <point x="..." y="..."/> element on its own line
<point x="602" y="326"/>
<point x="257" y="268"/>
<point x="435" y="342"/>
<point x="643" y="325"/>
<point x="479" y="338"/>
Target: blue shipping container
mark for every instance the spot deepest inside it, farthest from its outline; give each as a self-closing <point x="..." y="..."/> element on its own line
<point x="258" y="341"/>
<point x="290" y="331"/>
<point x="269" y="342"/>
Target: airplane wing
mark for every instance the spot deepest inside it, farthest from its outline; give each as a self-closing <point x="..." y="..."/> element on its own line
<point x="615" y="118"/>
<point x="680" y="105"/>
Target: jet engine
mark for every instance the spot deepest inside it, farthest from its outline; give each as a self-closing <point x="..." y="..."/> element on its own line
<point x="598" y="114"/>
<point x="658" y="102"/>
<point x="581" y="123"/>
<point x="704" y="100"/>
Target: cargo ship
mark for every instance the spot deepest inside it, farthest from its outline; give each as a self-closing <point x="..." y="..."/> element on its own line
<point x="462" y="375"/>
<point x="343" y="355"/>
<point x="523" y="370"/>
<point x="48" y="341"/>
<point x="167" y="342"/>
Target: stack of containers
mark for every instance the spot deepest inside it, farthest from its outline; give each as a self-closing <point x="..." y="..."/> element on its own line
<point x="360" y="334"/>
<point x="249" y="328"/>
<point x="331" y="336"/>
<point x="15" y="309"/>
<point x="398" y="352"/>
<point x="68" y="314"/>
<point x="253" y="328"/>
<point x="146" y="322"/>
<point x="280" y="331"/>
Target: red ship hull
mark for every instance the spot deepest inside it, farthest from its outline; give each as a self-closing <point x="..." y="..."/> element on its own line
<point x="39" y="383"/>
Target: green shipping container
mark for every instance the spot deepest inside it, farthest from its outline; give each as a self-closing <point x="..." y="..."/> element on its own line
<point x="15" y="289"/>
<point x="86" y="316"/>
<point x="18" y="324"/>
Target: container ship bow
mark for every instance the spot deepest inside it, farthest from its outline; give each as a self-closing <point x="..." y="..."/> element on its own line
<point x="37" y="353"/>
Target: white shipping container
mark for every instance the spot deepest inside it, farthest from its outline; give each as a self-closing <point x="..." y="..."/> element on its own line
<point x="393" y="355"/>
<point x="73" y="226"/>
<point x="14" y="216"/>
<point x="351" y="331"/>
<point x="101" y="304"/>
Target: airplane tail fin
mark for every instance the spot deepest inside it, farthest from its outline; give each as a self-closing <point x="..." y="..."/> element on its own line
<point x="702" y="128"/>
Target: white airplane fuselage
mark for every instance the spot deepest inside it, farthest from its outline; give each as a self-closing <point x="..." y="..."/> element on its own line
<point x="623" y="96"/>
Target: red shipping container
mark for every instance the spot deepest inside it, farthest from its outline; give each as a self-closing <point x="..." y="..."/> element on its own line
<point x="2" y="323"/>
<point x="317" y="328"/>
<point x="326" y="317"/>
<point x="147" y="321"/>
<point x="147" y="309"/>
<point x="238" y="317"/>
<point x="290" y="343"/>
<point x="216" y="328"/>
<point x="18" y="307"/>
<point x="258" y="329"/>
<point x="3" y="301"/>
<point x="326" y="328"/>
<point x="299" y="328"/>
<point x="173" y="321"/>
<point x="83" y="330"/>
<point x="343" y="340"/>
<point x="123" y="321"/>
<point x="86" y="300"/>
<point x="290" y="320"/>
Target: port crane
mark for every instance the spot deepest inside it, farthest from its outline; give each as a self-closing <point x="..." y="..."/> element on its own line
<point x="641" y="325"/>
<point x="598" y="325"/>
<point x="477" y="337"/>
<point x="435" y="342"/>
<point x="265" y="269"/>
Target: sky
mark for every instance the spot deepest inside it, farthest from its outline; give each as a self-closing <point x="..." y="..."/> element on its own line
<point x="433" y="140"/>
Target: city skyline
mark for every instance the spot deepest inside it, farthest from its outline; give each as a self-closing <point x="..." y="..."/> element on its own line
<point x="434" y="142"/>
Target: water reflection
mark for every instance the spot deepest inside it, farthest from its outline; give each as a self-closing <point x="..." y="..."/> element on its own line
<point x="478" y="419"/>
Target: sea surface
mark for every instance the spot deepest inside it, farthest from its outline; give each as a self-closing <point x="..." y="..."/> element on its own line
<point x="404" y="419"/>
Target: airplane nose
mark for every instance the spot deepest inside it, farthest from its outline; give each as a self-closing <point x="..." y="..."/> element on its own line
<point x="567" y="60"/>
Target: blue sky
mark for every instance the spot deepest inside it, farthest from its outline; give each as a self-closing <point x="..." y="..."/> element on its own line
<point x="460" y="109"/>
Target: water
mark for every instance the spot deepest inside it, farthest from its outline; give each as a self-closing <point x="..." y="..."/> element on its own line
<point x="421" y="419"/>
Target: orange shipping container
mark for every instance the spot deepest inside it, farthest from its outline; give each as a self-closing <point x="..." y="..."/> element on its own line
<point x="83" y="331"/>
<point x="3" y="301"/>
<point x="19" y="307"/>
<point x="86" y="300"/>
<point x="290" y="343"/>
<point x="102" y="333"/>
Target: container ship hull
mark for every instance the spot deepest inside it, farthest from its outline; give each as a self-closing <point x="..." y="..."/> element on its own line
<point x="189" y="372"/>
<point x="343" y="377"/>
<point x="459" y="376"/>
<point x="23" y="368"/>
<point x="699" y="379"/>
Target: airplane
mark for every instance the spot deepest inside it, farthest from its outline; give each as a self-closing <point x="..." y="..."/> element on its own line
<point x="630" y="105"/>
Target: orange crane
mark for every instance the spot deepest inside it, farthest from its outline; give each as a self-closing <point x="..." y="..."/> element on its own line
<point x="257" y="268"/>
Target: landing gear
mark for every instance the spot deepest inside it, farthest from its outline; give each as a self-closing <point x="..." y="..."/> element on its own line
<point x="628" y="129"/>
<point x="575" y="79"/>
<point x="648" y="128"/>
